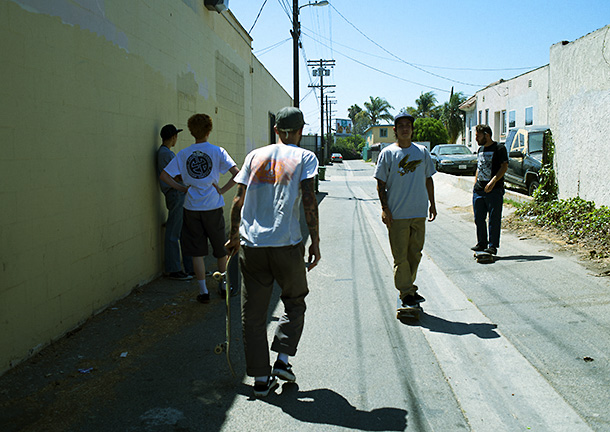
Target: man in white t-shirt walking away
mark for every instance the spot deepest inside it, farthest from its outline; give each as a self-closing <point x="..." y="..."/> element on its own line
<point x="406" y="191"/>
<point x="200" y="166"/>
<point x="265" y="223"/>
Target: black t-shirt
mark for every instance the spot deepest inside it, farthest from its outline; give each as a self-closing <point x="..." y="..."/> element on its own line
<point x="489" y="160"/>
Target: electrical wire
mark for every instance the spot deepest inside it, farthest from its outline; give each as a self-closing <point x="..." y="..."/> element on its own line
<point x="400" y="59"/>
<point x="257" y="16"/>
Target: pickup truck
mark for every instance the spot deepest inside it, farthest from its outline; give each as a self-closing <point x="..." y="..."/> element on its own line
<point x="524" y="146"/>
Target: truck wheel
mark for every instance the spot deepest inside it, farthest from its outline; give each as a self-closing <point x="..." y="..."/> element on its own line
<point x="532" y="187"/>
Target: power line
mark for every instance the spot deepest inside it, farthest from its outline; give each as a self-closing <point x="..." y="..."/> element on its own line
<point x="417" y="64"/>
<point x="402" y="60"/>
<point x="257" y="16"/>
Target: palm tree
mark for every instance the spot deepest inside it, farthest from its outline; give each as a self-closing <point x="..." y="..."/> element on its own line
<point x="377" y="109"/>
<point x="353" y="111"/>
<point x="425" y="103"/>
<point x="453" y="117"/>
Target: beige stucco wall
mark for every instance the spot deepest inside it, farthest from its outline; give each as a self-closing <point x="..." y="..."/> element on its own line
<point x="579" y="113"/>
<point x="85" y="87"/>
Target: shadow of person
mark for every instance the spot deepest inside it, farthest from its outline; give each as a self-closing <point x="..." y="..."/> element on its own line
<point x="324" y="406"/>
<point x="523" y="258"/>
<point x="440" y="325"/>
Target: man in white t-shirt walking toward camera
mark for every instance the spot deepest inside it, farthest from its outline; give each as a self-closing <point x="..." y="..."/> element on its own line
<point x="265" y="223"/>
<point x="200" y="166"/>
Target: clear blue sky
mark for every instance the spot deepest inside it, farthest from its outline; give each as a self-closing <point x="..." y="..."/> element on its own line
<point x="397" y="49"/>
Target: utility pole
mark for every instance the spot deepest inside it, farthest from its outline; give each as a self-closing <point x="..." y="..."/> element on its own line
<point x="321" y="71"/>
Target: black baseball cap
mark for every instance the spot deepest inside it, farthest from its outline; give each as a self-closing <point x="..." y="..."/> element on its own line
<point x="289" y="119"/>
<point x="404" y="114"/>
<point x="168" y="131"/>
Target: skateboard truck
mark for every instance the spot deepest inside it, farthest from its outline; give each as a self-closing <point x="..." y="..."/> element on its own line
<point x="483" y="257"/>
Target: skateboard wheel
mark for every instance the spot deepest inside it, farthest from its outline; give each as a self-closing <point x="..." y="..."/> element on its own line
<point x="217" y="275"/>
<point x="219" y="348"/>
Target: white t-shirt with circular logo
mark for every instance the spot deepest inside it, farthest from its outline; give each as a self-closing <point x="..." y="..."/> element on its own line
<point x="200" y="166"/>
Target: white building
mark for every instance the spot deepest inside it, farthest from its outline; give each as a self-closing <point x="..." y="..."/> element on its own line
<point x="517" y="102"/>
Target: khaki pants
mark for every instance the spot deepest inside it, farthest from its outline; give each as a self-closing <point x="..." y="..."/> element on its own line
<point x="260" y="267"/>
<point x="406" y="241"/>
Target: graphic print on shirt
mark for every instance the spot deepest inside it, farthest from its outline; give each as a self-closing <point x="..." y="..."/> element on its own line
<point x="484" y="165"/>
<point x="272" y="172"/>
<point x="199" y="165"/>
<point x="405" y="166"/>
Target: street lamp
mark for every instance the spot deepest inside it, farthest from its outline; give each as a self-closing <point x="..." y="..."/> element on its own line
<point x="296" y="33"/>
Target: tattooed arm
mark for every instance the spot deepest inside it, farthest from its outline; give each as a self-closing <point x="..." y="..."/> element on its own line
<point x="232" y="244"/>
<point x="310" y="204"/>
<point x="386" y="214"/>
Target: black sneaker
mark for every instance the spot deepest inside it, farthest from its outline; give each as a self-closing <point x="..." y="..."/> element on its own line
<point x="418" y="298"/>
<point x="284" y="371"/>
<point x="180" y="275"/>
<point x="478" y="248"/>
<point x="262" y="389"/>
<point x="410" y="301"/>
<point x="491" y="250"/>
<point x="203" y="298"/>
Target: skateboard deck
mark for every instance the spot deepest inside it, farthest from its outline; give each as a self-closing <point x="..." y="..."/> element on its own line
<point x="407" y="312"/>
<point x="484" y="257"/>
<point x="231" y="278"/>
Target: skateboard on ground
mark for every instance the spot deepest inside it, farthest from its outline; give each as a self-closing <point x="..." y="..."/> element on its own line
<point x="408" y="312"/>
<point x="231" y="276"/>
<point x="483" y="257"/>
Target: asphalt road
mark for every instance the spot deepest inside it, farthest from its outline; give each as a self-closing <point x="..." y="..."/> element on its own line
<point x="520" y="344"/>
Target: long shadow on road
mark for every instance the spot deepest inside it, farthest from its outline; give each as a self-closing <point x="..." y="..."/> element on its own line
<point x="440" y="325"/>
<point x="325" y="406"/>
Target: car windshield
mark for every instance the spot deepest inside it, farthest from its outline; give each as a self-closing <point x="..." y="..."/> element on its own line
<point x="535" y="142"/>
<point x="454" y="150"/>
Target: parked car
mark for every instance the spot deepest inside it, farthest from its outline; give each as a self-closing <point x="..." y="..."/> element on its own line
<point x="336" y="157"/>
<point x="454" y="158"/>
<point x="524" y="146"/>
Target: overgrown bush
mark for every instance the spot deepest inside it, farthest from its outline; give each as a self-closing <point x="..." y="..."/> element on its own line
<point x="349" y="147"/>
<point x="576" y="218"/>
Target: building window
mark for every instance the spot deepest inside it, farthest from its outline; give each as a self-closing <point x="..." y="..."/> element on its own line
<point x="480" y="117"/>
<point x="511" y="119"/>
<point x="529" y="116"/>
<point x="503" y="121"/>
<point x="529" y="83"/>
<point x="487" y="116"/>
<point x="383" y="132"/>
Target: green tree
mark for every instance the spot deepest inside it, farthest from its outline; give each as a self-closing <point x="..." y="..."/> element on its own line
<point x="359" y="121"/>
<point x="430" y="129"/>
<point x="353" y="111"/>
<point x="425" y="104"/>
<point x="349" y="147"/>
<point x="452" y="117"/>
<point x="377" y="109"/>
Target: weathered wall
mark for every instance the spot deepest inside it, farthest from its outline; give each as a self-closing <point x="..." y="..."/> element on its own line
<point x="85" y="87"/>
<point x="530" y="89"/>
<point x="580" y="115"/>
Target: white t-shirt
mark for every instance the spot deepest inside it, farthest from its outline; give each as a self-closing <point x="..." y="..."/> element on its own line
<point x="271" y="212"/>
<point x="200" y="166"/>
<point x="404" y="171"/>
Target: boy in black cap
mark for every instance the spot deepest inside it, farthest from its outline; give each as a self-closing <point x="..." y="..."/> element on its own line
<point x="265" y="223"/>
<point x="406" y="191"/>
<point x="174" y="200"/>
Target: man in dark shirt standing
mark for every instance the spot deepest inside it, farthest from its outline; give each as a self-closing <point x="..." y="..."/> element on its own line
<point x="488" y="193"/>
<point x="174" y="201"/>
